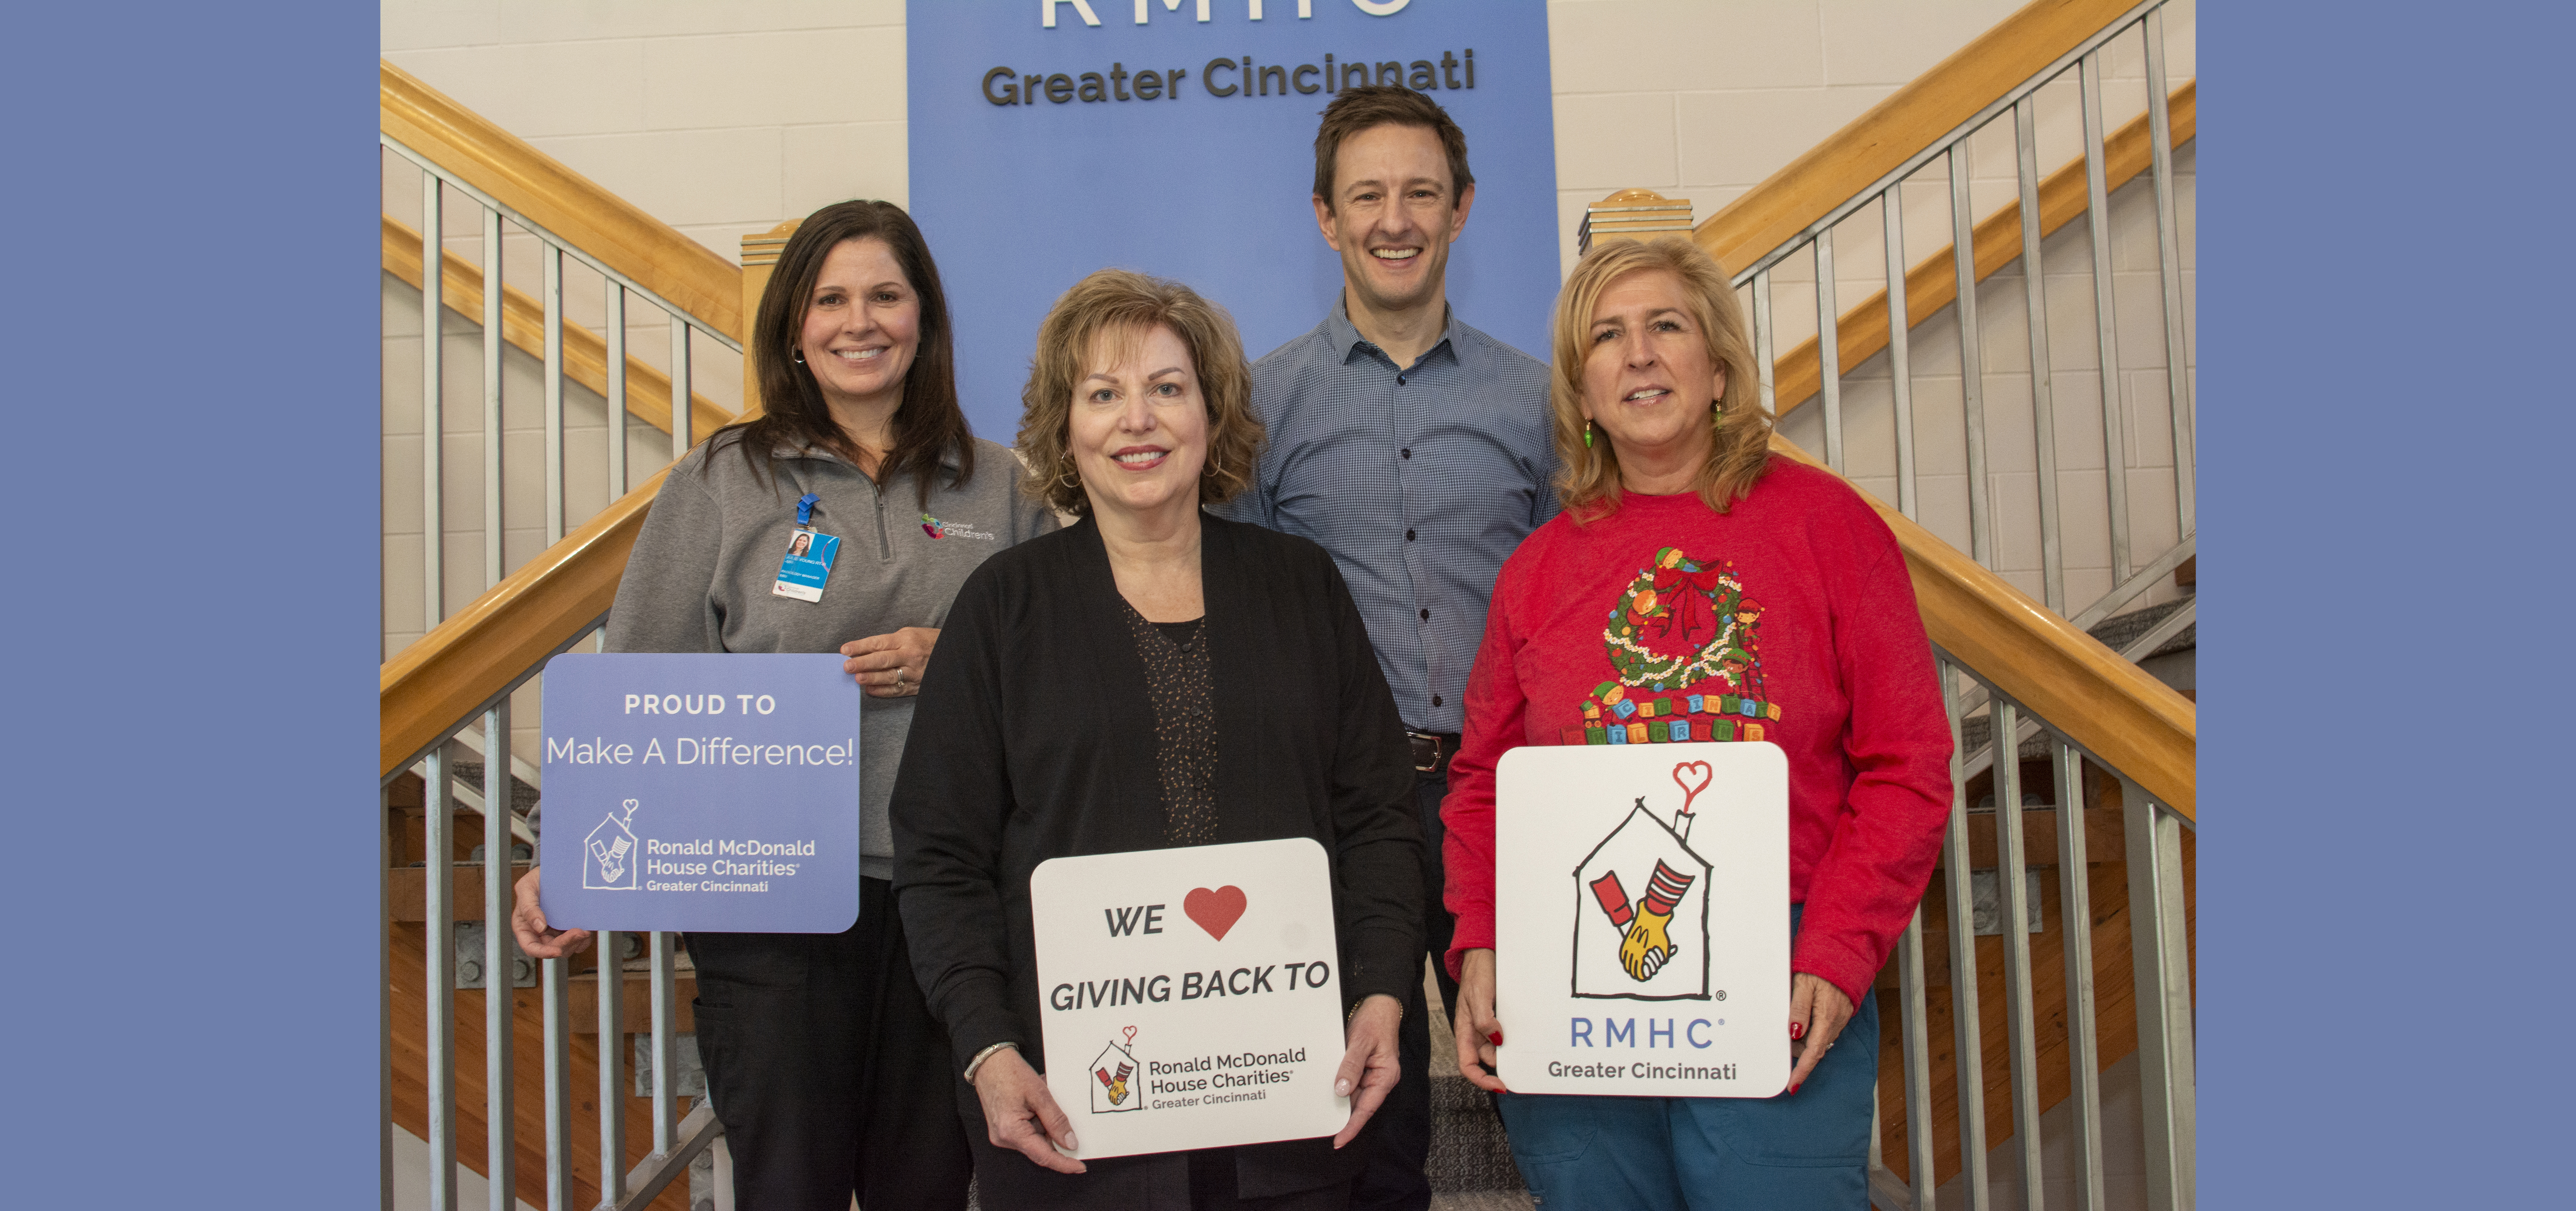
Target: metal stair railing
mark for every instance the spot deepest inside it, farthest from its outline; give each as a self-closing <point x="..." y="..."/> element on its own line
<point x="677" y="1140"/>
<point x="1808" y="237"/>
<point x="2159" y="959"/>
<point x="2146" y="21"/>
<point x="484" y="731"/>
<point x="619" y="289"/>
<point x="2158" y="899"/>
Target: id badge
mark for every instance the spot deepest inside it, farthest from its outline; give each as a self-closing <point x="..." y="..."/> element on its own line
<point x="807" y="565"/>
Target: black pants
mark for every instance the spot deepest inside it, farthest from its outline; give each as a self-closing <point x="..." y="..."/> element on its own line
<point x="1397" y="1176"/>
<point x="826" y="1068"/>
<point x="1212" y="1188"/>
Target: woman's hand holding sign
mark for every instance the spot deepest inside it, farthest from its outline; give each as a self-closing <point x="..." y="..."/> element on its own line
<point x="890" y="665"/>
<point x="1368" y="1068"/>
<point x="1019" y="1113"/>
<point x="1817" y="1012"/>
<point x="1479" y="1031"/>
<point x="529" y="922"/>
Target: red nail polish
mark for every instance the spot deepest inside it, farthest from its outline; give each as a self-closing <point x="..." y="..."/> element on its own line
<point x="1495" y="1038"/>
<point x="1797" y="1030"/>
<point x="1793" y="1089"/>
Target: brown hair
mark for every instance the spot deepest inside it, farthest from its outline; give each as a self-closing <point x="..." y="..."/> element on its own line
<point x="1589" y="483"/>
<point x="1120" y="304"/>
<point x="1373" y="105"/>
<point x="927" y="424"/>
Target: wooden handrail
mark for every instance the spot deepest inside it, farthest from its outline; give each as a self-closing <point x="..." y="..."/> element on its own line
<point x="463" y="662"/>
<point x="523" y="324"/>
<point x="1910" y="119"/>
<point x="1933" y="282"/>
<point x="2135" y="723"/>
<point x="648" y="251"/>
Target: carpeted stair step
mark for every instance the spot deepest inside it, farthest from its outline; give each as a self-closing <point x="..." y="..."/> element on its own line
<point x="1468" y="1155"/>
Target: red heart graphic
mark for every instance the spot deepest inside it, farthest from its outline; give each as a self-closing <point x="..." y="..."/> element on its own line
<point x="1693" y="777"/>
<point x="1131" y="1036"/>
<point x="1215" y="911"/>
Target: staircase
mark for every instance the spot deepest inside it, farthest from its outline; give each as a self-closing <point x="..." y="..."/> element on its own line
<point x="2090" y="1037"/>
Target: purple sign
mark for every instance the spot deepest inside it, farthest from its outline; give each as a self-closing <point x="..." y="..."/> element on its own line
<point x="703" y="792"/>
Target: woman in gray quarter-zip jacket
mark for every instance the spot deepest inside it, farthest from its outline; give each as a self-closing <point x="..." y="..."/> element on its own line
<point x="822" y="1061"/>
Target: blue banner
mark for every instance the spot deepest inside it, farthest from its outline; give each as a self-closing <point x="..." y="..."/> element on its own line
<point x="1050" y="138"/>
<point x="708" y="792"/>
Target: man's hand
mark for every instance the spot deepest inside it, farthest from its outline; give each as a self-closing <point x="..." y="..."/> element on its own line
<point x="1019" y="1113"/>
<point x="1369" y="1067"/>
<point x="1647" y="945"/>
<point x="529" y="922"/>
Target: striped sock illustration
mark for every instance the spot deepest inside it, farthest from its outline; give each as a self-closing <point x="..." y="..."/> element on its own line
<point x="1666" y="889"/>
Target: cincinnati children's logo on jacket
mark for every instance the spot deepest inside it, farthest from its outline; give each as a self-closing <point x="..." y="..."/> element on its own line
<point x="936" y="528"/>
<point x="1685" y="659"/>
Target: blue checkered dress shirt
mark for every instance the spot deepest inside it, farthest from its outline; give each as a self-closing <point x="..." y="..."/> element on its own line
<point x="1419" y="480"/>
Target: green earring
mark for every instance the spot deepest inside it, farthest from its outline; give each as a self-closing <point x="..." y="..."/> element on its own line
<point x="1587" y="435"/>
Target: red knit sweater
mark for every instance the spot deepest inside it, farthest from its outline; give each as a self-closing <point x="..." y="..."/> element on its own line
<point x="1826" y="658"/>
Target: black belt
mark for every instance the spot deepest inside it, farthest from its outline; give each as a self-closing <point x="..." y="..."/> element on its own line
<point x="1432" y="751"/>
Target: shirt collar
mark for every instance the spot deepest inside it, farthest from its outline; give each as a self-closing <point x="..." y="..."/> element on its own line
<point x="1347" y="339"/>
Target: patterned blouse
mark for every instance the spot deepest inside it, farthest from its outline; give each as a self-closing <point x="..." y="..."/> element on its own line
<point x="1176" y="674"/>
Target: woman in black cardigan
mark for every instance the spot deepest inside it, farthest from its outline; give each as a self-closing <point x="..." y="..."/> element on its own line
<point x="1151" y="677"/>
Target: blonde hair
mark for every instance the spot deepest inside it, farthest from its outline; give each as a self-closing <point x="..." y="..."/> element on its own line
<point x="1589" y="483"/>
<point x="1122" y="305"/>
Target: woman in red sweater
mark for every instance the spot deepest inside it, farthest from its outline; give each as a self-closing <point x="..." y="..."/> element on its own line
<point x="1769" y="597"/>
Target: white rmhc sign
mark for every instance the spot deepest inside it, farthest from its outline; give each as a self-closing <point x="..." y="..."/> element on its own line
<point x="1622" y="970"/>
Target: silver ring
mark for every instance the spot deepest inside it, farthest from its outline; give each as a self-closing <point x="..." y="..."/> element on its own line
<point x="898" y="679"/>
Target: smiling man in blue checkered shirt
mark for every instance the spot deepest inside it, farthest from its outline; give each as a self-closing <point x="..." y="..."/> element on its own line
<point x="1416" y="450"/>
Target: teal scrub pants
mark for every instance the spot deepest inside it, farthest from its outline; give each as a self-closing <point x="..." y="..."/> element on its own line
<point x="1808" y="1149"/>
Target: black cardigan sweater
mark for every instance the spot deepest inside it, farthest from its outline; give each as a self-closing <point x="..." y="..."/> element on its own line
<point x="1033" y="738"/>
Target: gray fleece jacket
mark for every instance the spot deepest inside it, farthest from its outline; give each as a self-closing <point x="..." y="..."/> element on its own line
<point x="699" y="578"/>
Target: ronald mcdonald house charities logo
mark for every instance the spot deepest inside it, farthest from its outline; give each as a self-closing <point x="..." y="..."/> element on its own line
<point x="1655" y="946"/>
<point x="608" y="860"/>
<point x="1113" y="1078"/>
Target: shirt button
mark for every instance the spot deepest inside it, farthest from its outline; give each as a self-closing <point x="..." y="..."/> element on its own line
<point x="1399" y="380"/>
<point x="1408" y="536"/>
<point x="1407" y="451"/>
<point x="1435" y="700"/>
<point x="1426" y="616"/>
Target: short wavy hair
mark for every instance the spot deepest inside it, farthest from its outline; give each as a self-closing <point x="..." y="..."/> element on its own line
<point x="1119" y="305"/>
<point x="1365" y="108"/>
<point x="1589" y="483"/>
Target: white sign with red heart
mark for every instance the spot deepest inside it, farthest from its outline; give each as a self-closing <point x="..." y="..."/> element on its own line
<point x="1641" y="923"/>
<point x="1190" y="998"/>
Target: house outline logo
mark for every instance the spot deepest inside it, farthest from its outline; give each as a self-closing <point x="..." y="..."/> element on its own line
<point x="611" y="857"/>
<point x="1641" y="906"/>
<point x="1117" y="1080"/>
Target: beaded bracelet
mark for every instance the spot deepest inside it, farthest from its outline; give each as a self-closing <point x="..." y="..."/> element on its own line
<point x="1354" y="1014"/>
